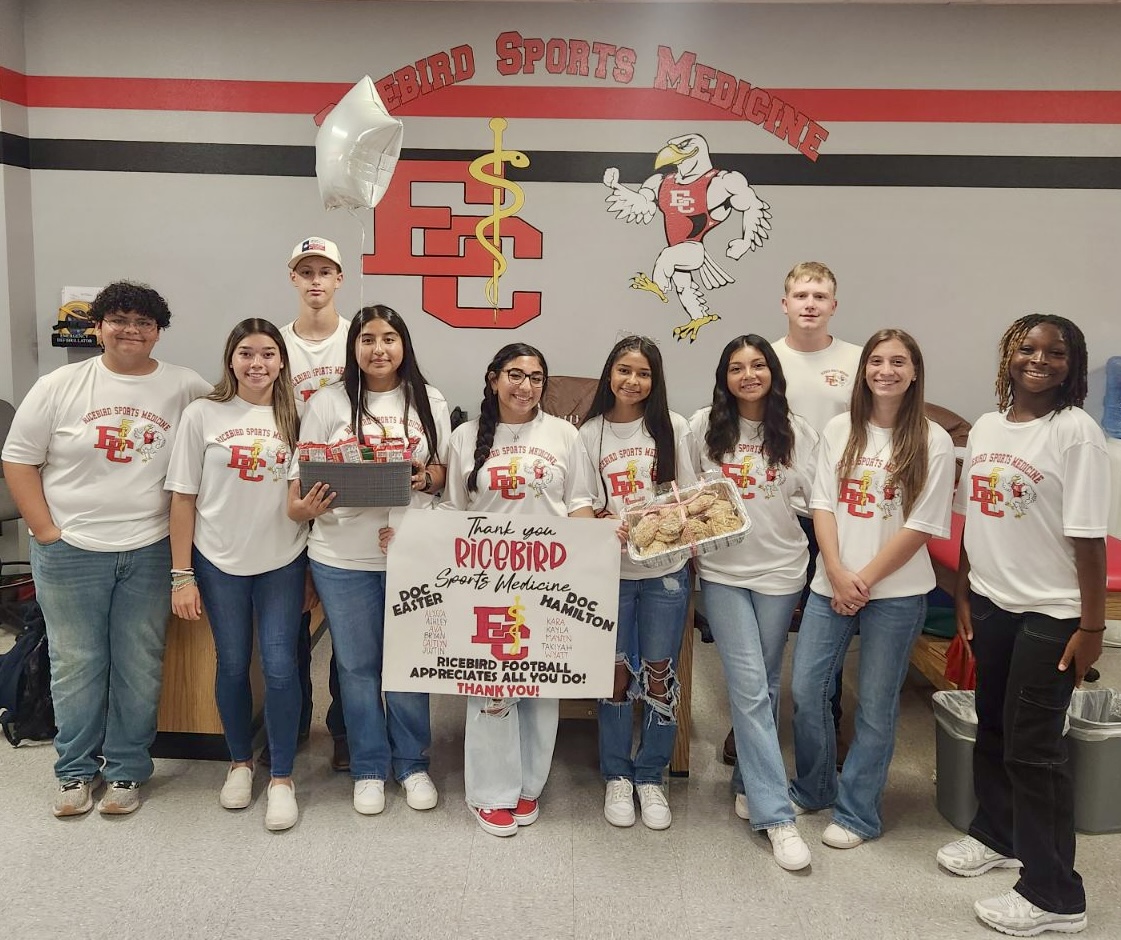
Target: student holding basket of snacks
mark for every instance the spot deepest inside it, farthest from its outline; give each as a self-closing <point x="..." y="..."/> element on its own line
<point x="384" y="403"/>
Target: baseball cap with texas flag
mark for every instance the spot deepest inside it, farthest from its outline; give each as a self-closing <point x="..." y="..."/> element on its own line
<point x="315" y="247"/>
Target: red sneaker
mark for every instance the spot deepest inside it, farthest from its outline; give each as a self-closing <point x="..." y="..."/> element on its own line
<point x="498" y="822"/>
<point x="526" y="812"/>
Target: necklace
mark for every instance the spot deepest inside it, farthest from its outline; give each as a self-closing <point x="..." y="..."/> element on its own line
<point x="516" y="435"/>
<point x="616" y="425"/>
<point x="890" y="439"/>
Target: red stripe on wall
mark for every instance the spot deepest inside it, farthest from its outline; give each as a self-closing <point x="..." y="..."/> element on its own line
<point x="13" y="86"/>
<point x="883" y="105"/>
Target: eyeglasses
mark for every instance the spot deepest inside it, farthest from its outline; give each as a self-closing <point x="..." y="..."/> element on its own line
<point x="517" y="376"/>
<point x="142" y="324"/>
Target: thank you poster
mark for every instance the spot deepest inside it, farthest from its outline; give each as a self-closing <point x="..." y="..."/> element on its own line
<point x="503" y="606"/>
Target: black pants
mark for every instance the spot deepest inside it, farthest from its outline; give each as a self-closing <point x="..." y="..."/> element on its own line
<point x="336" y="723"/>
<point x="1020" y="770"/>
<point x="811" y="537"/>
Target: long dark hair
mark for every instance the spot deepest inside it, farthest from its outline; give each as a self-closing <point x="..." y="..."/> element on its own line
<point x="283" y="398"/>
<point x="1072" y="393"/>
<point x="488" y="408"/>
<point x="909" y="457"/>
<point x="724" y="418"/>
<point x="412" y="379"/>
<point x="655" y="409"/>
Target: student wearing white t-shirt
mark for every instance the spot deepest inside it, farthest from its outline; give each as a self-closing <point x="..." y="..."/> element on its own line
<point x="636" y="443"/>
<point x="514" y="459"/>
<point x="316" y="342"/>
<point x="234" y="550"/>
<point x="751" y="589"/>
<point x="1031" y="603"/>
<point x="820" y="369"/>
<point x="882" y="490"/>
<point x="85" y="461"/>
<point x="383" y="396"/>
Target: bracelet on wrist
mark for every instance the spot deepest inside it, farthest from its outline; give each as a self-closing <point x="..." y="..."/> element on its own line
<point x="1086" y="630"/>
<point x="175" y="571"/>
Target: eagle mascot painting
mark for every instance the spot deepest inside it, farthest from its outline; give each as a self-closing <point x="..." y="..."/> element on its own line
<point x="694" y="197"/>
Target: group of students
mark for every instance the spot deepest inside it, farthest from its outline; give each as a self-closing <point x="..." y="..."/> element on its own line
<point x="126" y="468"/>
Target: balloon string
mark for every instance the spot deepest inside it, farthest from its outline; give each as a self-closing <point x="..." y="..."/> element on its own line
<point x="361" y="256"/>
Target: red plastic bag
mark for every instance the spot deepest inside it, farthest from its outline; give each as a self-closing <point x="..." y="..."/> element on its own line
<point x="961" y="667"/>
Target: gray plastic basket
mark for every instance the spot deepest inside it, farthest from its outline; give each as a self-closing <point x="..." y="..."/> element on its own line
<point x="360" y="484"/>
<point x="955" y="731"/>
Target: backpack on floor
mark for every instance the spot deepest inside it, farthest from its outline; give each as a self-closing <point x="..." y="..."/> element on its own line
<point x="26" y="708"/>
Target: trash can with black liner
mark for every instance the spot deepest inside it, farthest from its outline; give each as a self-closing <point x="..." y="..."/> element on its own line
<point x="1094" y="742"/>
<point x="955" y="731"/>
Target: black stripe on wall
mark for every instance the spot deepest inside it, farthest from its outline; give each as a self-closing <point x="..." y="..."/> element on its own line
<point x="552" y="166"/>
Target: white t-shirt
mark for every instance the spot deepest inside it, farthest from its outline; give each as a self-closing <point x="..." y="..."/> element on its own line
<point x="1026" y="490"/>
<point x="102" y="442"/>
<point x="232" y="458"/>
<point x="774" y="557"/>
<point x="869" y="507"/>
<point x="347" y="537"/>
<point x="537" y="468"/>
<point x="819" y="384"/>
<point x="622" y="458"/>
<point x="315" y="364"/>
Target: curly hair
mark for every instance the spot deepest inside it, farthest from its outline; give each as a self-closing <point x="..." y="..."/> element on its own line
<point x="655" y="409"/>
<point x="283" y="398"/>
<point x="412" y="379"/>
<point x="488" y="409"/>
<point x="130" y="297"/>
<point x="1072" y="393"/>
<point x="724" y="418"/>
<point x="909" y="445"/>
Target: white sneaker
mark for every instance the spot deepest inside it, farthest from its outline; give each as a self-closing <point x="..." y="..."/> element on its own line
<point x="970" y="857"/>
<point x="369" y="796"/>
<point x="420" y="791"/>
<point x="237" y="791"/>
<point x="282" y="811"/>
<point x="741" y="807"/>
<point x="74" y="798"/>
<point x="838" y="837"/>
<point x="655" y="806"/>
<point x="1012" y="913"/>
<point x="618" y="803"/>
<point x="790" y="849"/>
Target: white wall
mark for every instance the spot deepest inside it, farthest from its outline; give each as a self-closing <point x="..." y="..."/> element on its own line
<point x="952" y="265"/>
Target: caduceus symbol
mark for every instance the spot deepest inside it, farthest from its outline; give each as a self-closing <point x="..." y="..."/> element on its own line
<point x="494" y="177"/>
<point x="516" y="613"/>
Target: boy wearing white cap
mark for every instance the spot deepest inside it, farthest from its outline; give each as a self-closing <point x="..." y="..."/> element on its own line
<point x="316" y="342"/>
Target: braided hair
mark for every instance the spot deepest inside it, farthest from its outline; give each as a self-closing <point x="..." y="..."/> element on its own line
<point x="1072" y="393"/>
<point x="412" y="379"/>
<point x="724" y="418"/>
<point x="488" y="408"/>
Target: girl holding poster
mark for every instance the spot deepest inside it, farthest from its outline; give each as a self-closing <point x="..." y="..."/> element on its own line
<point x="234" y="549"/>
<point x="882" y="489"/>
<point x="636" y="443"/>
<point x="514" y="459"/>
<point x="383" y="396"/>
<point x="1031" y="602"/>
<point x="751" y="589"/>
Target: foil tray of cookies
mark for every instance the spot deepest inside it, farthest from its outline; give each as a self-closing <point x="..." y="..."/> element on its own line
<point x="688" y="521"/>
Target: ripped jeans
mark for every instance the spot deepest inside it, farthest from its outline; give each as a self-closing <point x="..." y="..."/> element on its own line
<point x="1020" y="769"/>
<point x="647" y="643"/>
<point x="508" y="749"/>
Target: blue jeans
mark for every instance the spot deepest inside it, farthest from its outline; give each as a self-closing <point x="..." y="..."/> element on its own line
<point x="750" y="632"/>
<point x="106" y="616"/>
<point x="508" y="749"/>
<point x="1020" y="769"/>
<point x="648" y="640"/>
<point x="888" y="629"/>
<point x="394" y="737"/>
<point x="275" y="598"/>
